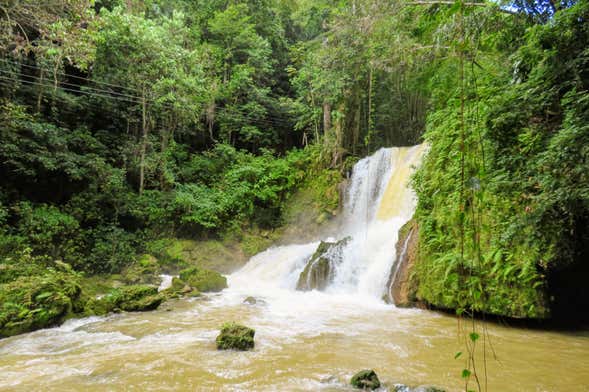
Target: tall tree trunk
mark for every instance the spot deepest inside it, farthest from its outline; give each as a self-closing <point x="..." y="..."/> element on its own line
<point x="40" y="94"/>
<point x="326" y="117"/>
<point x="369" y="114"/>
<point x="210" y="115"/>
<point x="143" y="144"/>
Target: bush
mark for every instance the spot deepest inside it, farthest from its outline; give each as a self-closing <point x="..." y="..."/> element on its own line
<point x="113" y="249"/>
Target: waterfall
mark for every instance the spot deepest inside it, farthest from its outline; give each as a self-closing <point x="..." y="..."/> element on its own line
<point x="377" y="203"/>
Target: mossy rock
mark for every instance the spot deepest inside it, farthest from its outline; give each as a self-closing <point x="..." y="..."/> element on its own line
<point x="137" y="298"/>
<point x="145" y="270"/>
<point x="33" y="302"/>
<point x="235" y="337"/>
<point x="203" y="280"/>
<point x="180" y="288"/>
<point x="319" y="271"/>
<point x="365" y="379"/>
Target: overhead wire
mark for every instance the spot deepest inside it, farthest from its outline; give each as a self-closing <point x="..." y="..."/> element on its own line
<point x="271" y="121"/>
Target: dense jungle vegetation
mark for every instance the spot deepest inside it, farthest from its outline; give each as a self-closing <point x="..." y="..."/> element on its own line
<point x="127" y="125"/>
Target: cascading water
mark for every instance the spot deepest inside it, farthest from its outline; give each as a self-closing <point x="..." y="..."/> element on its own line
<point x="378" y="202"/>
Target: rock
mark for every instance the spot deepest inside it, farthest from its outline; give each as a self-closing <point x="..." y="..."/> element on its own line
<point x="235" y="337"/>
<point x="144" y="271"/>
<point x="428" y="388"/>
<point x="318" y="272"/>
<point x="137" y="298"/>
<point x="402" y="288"/>
<point x="203" y="280"/>
<point x="401" y="388"/>
<point x="250" y="301"/>
<point x="33" y="302"/>
<point x="365" y="379"/>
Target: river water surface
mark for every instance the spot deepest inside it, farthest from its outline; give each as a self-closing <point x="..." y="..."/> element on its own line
<point x="304" y="342"/>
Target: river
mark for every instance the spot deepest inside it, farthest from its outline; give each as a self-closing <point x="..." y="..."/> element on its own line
<point x="305" y="341"/>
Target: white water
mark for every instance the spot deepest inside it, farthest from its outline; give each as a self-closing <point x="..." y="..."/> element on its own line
<point x="377" y="204"/>
<point x="166" y="282"/>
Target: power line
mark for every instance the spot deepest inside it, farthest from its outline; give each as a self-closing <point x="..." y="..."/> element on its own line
<point x="70" y="90"/>
<point x="70" y="75"/>
<point x="233" y="112"/>
<point x="82" y="89"/>
<point x="139" y="98"/>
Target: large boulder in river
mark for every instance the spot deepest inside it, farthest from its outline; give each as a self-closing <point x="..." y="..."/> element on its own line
<point x="401" y="286"/>
<point x="320" y="268"/>
<point x="135" y="298"/>
<point x="235" y="337"/>
<point x="203" y="280"/>
<point x="365" y="379"/>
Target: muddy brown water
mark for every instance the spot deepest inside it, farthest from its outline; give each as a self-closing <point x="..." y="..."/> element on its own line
<point x="304" y="342"/>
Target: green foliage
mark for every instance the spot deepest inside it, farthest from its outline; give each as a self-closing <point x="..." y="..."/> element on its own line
<point x="48" y="230"/>
<point x="524" y="203"/>
<point x="28" y="303"/>
<point x="113" y="249"/>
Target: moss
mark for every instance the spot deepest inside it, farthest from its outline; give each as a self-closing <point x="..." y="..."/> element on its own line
<point x="365" y="379"/>
<point x="180" y="288"/>
<point x="137" y="298"/>
<point x="235" y="337"/>
<point x="174" y="254"/>
<point x="203" y="280"/>
<point x="309" y="211"/>
<point x="145" y="270"/>
<point x="33" y="302"/>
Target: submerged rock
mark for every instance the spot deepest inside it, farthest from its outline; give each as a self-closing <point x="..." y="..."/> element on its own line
<point x="422" y="388"/>
<point x="203" y="280"/>
<point x="253" y="301"/>
<point x="428" y="388"/>
<point x="320" y="268"/>
<point x="365" y="379"/>
<point x="235" y="337"/>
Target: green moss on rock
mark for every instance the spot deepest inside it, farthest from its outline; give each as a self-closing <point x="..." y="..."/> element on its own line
<point x="365" y="379"/>
<point x="145" y="270"/>
<point x="137" y="298"/>
<point x="203" y="280"/>
<point x="180" y="288"/>
<point x="33" y="302"/>
<point x="235" y="337"/>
